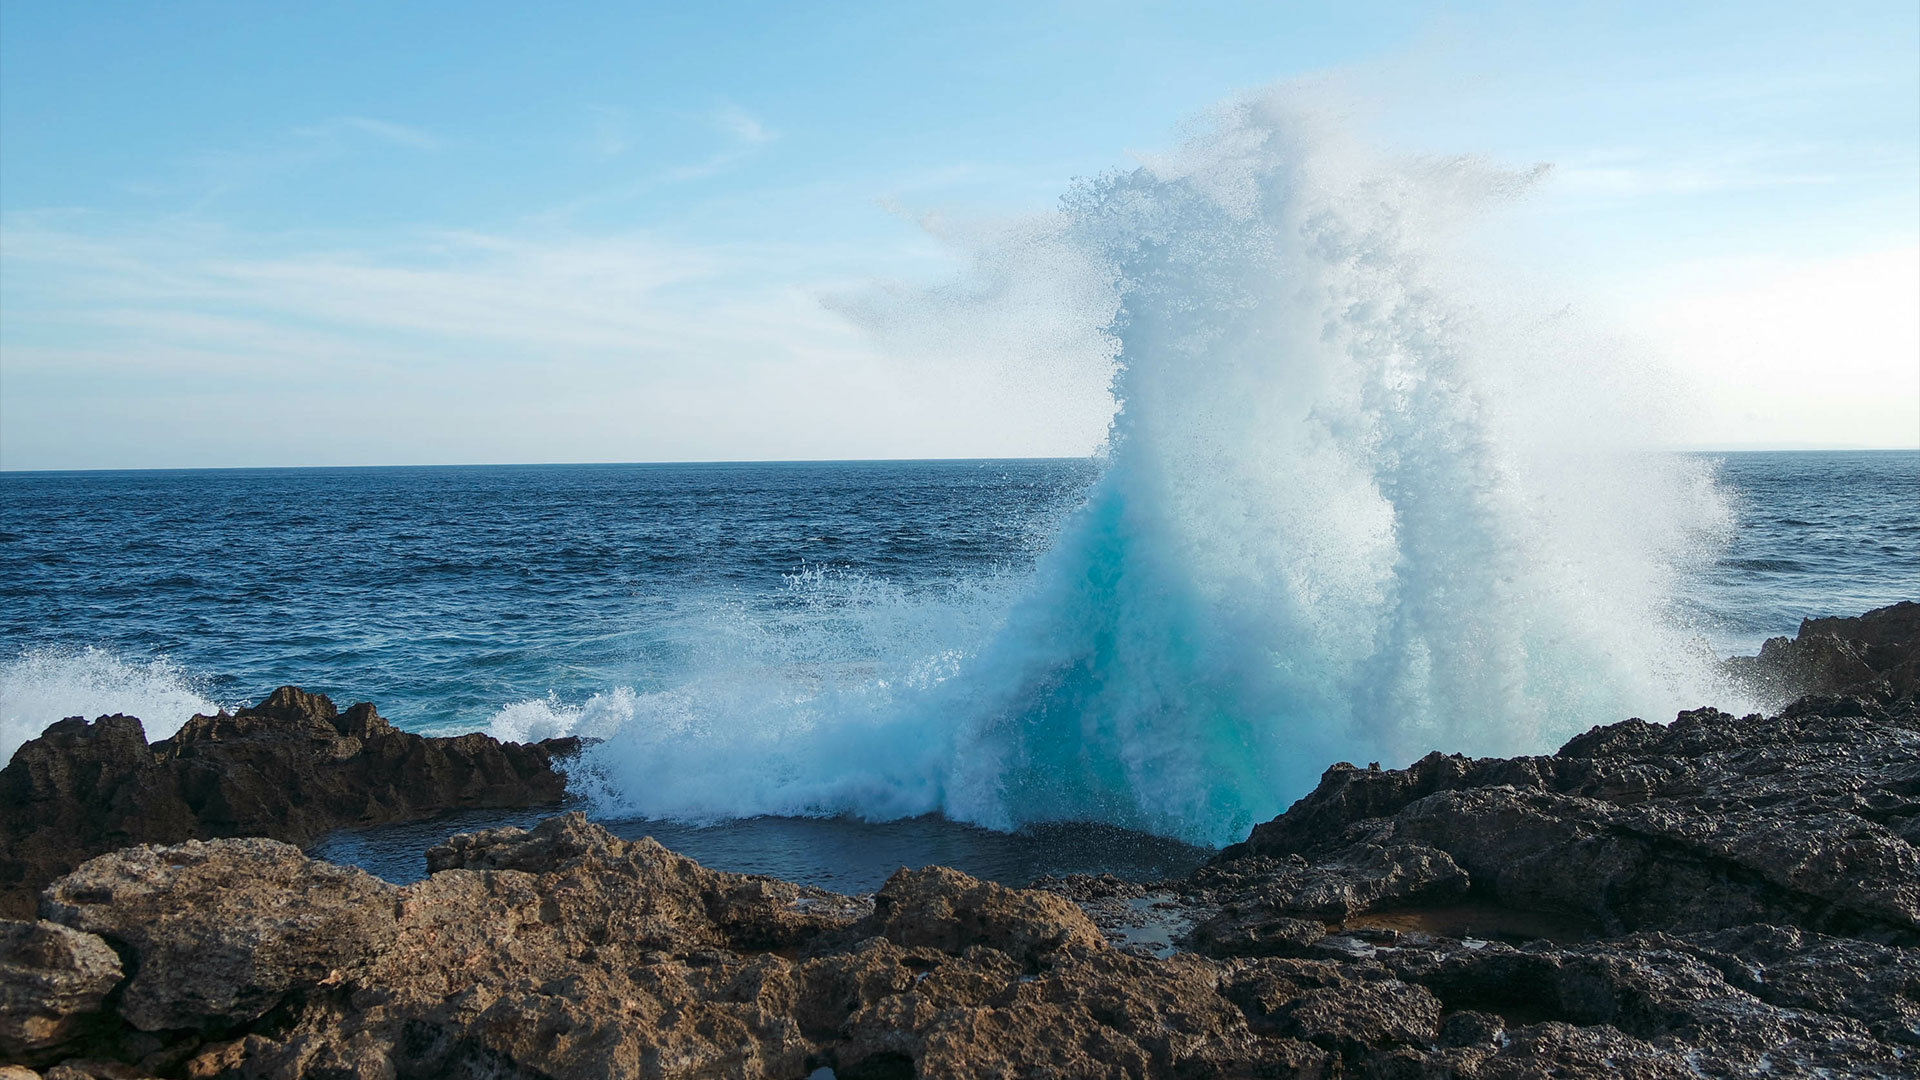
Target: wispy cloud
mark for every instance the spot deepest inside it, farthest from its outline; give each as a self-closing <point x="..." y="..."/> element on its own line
<point x="742" y="125"/>
<point x="209" y="290"/>
<point x="190" y="344"/>
<point x="386" y="130"/>
<point x="748" y="135"/>
<point x="210" y="174"/>
<point x="610" y="136"/>
<point x="1634" y="172"/>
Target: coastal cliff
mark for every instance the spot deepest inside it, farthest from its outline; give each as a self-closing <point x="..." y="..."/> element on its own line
<point x="1718" y="896"/>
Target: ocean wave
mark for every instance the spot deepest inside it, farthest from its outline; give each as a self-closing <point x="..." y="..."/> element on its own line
<point x="42" y="685"/>
<point x="1347" y="512"/>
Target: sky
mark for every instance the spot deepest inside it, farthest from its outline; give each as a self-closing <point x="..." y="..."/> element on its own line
<point x="235" y="234"/>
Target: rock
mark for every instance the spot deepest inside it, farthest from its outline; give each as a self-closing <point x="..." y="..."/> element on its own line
<point x="1708" y="823"/>
<point x="1874" y="655"/>
<point x="218" y="933"/>
<point x="292" y="768"/>
<point x="52" y="982"/>
<point x="947" y="910"/>
<point x="603" y="888"/>
<point x="1262" y="931"/>
<point x="562" y="951"/>
<point x="591" y="956"/>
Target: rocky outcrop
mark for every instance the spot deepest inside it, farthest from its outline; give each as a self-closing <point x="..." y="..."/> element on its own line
<point x="1711" y="822"/>
<point x="1876" y="654"/>
<point x="566" y="952"/>
<point x="596" y="957"/>
<point x="292" y="768"/>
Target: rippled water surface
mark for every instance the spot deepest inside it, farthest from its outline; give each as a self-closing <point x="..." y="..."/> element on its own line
<point x="443" y="594"/>
<point x="1820" y="533"/>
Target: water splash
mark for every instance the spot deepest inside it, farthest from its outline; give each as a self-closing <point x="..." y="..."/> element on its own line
<point x="40" y="686"/>
<point x="1318" y="538"/>
<point x="1333" y="525"/>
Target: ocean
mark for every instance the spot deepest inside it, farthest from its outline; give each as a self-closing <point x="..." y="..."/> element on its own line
<point x="530" y="600"/>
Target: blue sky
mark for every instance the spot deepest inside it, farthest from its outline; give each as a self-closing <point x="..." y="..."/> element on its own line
<point x="241" y="234"/>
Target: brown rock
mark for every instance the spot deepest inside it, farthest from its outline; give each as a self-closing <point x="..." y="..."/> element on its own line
<point x="218" y="933"/>
<point x="292" y="768"/>
<point x="52" y="982"/>
<point x="1721" y="897"/>
<point x="944" y="909"/>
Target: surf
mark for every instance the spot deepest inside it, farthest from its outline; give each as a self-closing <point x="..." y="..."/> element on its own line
<point x="1342" y="516"/>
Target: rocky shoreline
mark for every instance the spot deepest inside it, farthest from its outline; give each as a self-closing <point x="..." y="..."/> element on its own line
<point x="293" y="768"/>
<point x="1720" y="896"/>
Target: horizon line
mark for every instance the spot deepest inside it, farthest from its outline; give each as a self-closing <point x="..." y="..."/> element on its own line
<point x="1736" y="448"/>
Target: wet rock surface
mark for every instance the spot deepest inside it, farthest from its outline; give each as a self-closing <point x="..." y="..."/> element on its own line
<point x="291" y="768"/>
<point x="1877" y="653"/>
<point x="1719" y="896"/>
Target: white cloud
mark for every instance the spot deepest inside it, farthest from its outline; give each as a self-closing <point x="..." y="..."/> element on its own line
<point x="209" y="174"/>
<point x="1632" y="172"/>
<point x="748" y="135"/>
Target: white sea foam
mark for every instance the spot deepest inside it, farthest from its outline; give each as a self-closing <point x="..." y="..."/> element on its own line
<point x="42" y="685"/>
<point x="1355" y="508"/>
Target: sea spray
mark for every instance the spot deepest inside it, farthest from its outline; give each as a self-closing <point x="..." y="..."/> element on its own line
<point x="1331" y="526"/>
<point x="44" y="684"/>
<point x="1316" y="539"/>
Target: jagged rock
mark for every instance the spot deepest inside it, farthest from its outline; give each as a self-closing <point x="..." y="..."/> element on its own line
<point x="1711" y="822"/>
<point x="582" y="955"/>
<point x="1261" y="931"/>
<point x="944" y="909"/>
<point x="292" y="768"/>
<point x="637" y="891"/>
<point x="624" y="959"/>
<point x="557" y="840"/>
<point x="1360" y="878"/>
<point x="1872" y="655"/>
<point x="52" y="982"/>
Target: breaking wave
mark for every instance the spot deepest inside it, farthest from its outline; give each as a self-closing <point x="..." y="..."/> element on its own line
<point x="42" y="685"/>
<point x="1355" y="507"/>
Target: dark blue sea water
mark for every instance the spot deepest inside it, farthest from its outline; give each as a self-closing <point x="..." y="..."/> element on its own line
<point x="443" y="594"/>
<point x="1817" y="533"/>
<point x="526" y="599"/>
